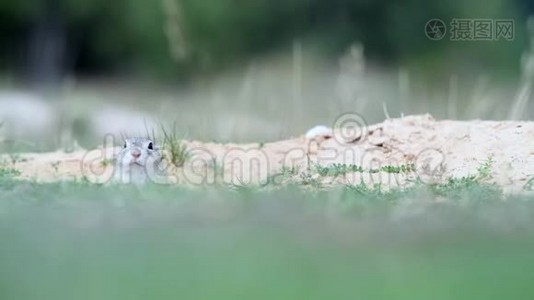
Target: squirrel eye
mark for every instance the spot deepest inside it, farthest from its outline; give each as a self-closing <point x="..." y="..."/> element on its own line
<point x="150" y="146"/>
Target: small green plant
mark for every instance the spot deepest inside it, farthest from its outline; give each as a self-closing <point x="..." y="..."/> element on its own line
<point x="337" y="169"/>
<point x="176" y="150"/>
<point x="471" y="186"/>
<point x="284" y="175"/>
<point x="342" y="169"/>
<point x="308" y="179"/>
<point x="466" y="188"/>
<point x="321" y="170"/>
<point x="484" y="170"/>
<point x="8" y="173"/>
<point x="469" y="183"/>
<point x="399" y="169"/>
<point x="290" y="171"/>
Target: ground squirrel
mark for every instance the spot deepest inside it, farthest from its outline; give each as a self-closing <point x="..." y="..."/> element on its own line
<point x="138" y="162"/>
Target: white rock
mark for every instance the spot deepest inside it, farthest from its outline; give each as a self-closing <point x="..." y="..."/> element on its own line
<point x="319" y="131"/>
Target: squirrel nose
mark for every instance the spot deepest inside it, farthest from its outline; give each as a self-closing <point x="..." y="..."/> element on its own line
<point x="135" y="153"/>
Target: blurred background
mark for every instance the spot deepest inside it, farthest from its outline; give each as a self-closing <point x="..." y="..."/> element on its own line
<point x="72" y="71"/>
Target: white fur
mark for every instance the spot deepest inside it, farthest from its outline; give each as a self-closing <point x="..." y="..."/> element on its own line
<point x="140" y="170"/>
<point x="318" y="131"/>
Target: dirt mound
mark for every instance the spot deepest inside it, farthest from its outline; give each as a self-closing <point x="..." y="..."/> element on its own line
<point x="392" y="153"/>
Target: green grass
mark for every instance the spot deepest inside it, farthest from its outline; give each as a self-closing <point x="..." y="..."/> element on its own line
<point x="343" y="169"/>
<point x="7" y="173"/>
<point x="75" y="240"/>
<point x="175" y="150"/>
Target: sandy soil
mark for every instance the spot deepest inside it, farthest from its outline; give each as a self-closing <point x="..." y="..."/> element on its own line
<point x="437" y="150"/>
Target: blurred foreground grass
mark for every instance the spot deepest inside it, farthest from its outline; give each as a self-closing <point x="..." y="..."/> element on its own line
<point x="79" y="241"/>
